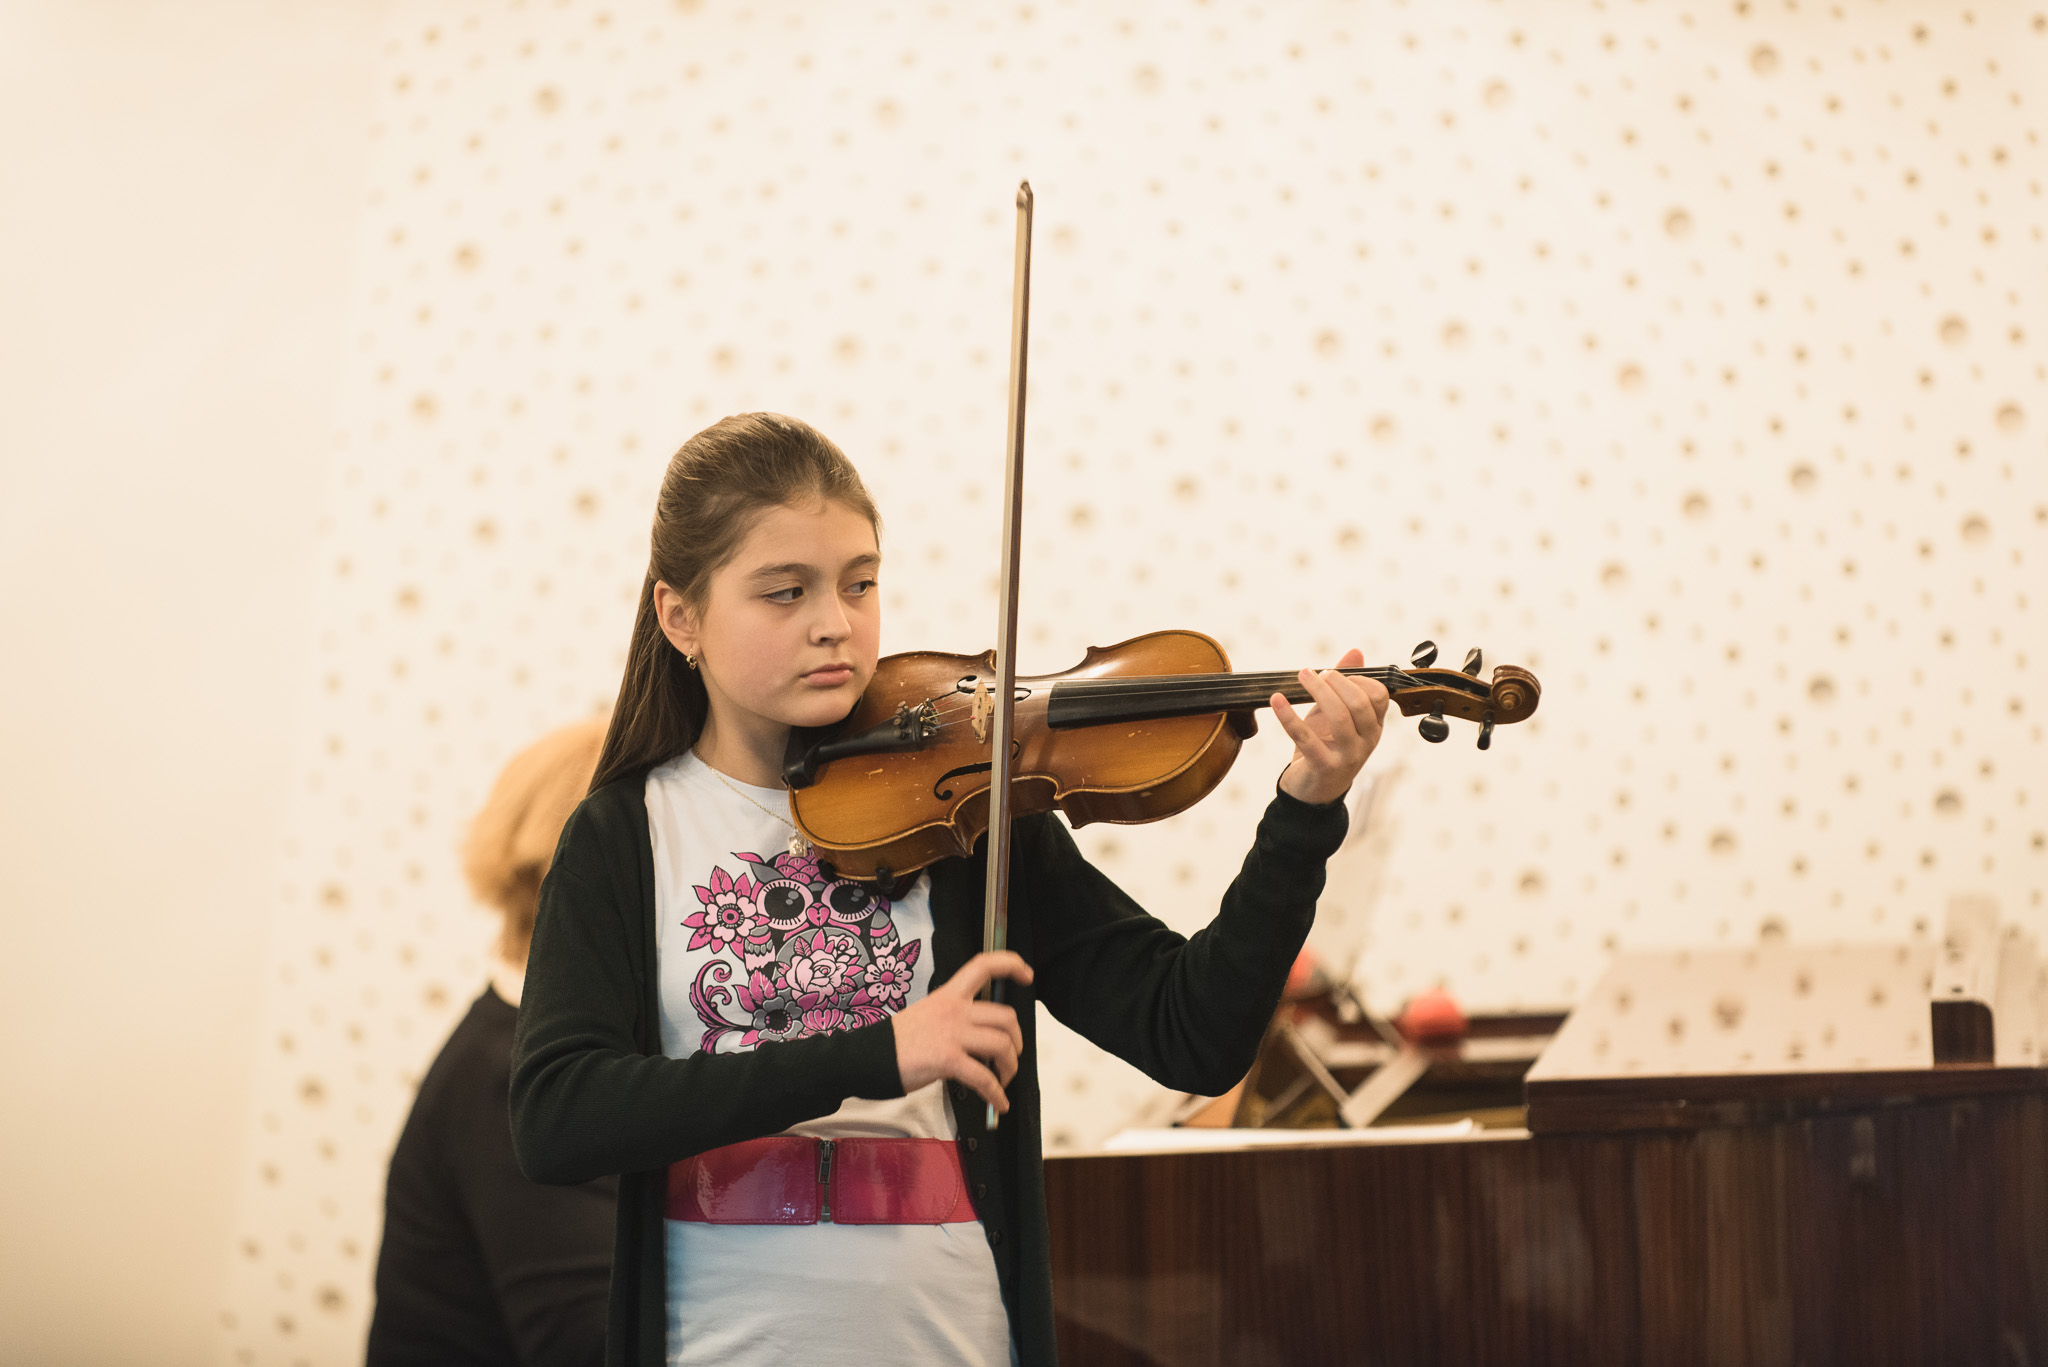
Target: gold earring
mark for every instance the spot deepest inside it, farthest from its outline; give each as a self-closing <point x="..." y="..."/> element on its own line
<point x="689" y="659"/>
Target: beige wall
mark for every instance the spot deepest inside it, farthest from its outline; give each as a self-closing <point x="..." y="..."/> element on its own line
<point x="177" y="220"/>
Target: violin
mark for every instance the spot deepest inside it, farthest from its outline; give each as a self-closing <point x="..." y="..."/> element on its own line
<point x="1135" y="732"/>
<point x="944" y="748"/>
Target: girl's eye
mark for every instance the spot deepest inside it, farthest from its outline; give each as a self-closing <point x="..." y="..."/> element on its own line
<point x="788" y="595"/>
<point x="861" y="588"/>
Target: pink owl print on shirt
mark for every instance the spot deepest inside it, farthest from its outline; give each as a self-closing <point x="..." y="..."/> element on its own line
<point x="794" y="954"/>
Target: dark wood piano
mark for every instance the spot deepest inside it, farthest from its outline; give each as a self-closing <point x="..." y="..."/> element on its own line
<point x="1725" y="1157"/>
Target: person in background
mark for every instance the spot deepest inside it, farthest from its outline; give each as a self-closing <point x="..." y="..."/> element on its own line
<point x="480" y="1267"/>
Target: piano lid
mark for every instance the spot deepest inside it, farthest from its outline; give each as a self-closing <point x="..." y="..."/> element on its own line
<point x="1685" y="1039"/>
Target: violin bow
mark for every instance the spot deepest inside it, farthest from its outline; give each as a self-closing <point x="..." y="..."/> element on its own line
<point x="995" y="916"/>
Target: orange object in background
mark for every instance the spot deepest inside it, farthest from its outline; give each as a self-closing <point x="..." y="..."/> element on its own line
<point x="1306" y="978"/>
<point x="1431" y="1016"/>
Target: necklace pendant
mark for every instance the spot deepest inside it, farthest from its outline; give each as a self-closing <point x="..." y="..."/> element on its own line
<point x="798" y="846"/>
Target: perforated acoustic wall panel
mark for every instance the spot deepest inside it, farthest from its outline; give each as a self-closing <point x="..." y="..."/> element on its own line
<point x="1690" y="355"/>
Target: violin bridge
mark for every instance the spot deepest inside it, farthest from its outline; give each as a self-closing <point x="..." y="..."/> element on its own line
<point x="984" y="710"/>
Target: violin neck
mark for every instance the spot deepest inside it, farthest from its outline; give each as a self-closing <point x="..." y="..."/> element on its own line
<point x="1093" y="702"/>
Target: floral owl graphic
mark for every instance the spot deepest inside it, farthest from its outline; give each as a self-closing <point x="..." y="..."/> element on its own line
<point x="794" y="954"/>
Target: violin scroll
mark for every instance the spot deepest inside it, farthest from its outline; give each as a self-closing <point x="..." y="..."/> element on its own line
<point x="1436" y="693"/>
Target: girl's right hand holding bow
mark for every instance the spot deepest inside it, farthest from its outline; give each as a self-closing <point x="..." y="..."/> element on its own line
<point x="951" y="1034"/>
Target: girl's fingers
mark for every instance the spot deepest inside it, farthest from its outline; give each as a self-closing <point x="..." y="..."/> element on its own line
<point x="1319" y="723"/>
<point x="1297" y="728"/>
<point x="1333" y="740"/>
<point x="1319" y="691"/>
<point x="1357" y="705"/>
<point x="993" y="1048"/>
<point x="1294" y="721"/>
<point x="996" y="1016"/>
<point x="983" y="968"/>
<point x="1367" y="700"/>
<point x="1333" y="694"/>
<point x="1380" y="698"/>
<point x="1307" y="740"/>
<point x="971" y="1072"/>
<point x="1364" y="700"/>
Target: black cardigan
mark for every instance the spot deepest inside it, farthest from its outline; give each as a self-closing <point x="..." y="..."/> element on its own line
<point x="593" y="1094"/>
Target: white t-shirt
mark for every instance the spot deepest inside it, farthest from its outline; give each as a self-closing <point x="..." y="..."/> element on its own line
<point x="754" y="946"/>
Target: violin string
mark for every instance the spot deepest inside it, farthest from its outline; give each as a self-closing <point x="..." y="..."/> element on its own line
<point x="1198" y="686"/>
<point x="950" y="709"/>
<point x="1192" y="687"/>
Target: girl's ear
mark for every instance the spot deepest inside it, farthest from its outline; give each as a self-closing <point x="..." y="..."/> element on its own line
<point x="679" y="621"/>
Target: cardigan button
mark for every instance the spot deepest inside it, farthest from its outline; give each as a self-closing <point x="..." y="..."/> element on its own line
<point x="995" y="1238"/>
<point x="972" y="1143"/>
<point x="981" y="1191"/>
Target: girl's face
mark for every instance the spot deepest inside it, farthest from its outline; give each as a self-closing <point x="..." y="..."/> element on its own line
<point x="791" y="625"/>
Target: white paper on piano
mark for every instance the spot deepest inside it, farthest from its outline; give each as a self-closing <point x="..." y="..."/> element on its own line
<point x="1209" y="1137"/>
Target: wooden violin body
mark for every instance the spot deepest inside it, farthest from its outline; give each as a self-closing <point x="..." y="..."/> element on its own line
<point x="1135" y="732"/>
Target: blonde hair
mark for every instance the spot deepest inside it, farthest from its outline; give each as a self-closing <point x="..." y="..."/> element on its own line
<point x="512" y="841"/>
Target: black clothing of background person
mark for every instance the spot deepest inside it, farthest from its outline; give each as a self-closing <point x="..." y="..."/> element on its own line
<point x="480" y="1267"/>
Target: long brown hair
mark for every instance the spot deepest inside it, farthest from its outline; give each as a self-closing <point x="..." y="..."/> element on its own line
<point x="716" y="485"/>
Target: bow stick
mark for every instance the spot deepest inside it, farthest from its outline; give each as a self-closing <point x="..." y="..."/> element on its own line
<point x="995" y="916"/>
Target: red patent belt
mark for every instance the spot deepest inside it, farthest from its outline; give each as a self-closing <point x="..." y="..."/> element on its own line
<point x="789" y="1179"/>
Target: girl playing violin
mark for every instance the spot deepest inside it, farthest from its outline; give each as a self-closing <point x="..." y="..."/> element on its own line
<point x="790" y="1070"/>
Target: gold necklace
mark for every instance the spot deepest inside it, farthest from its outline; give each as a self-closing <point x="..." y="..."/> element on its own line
<point x="798" y="846"/>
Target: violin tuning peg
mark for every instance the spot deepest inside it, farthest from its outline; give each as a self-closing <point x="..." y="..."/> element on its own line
<point x="1473" y="660"/>
<point x="1486" y="732"/>
<point x="1424" y="655"/>
<point x="1434" y="728"/>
